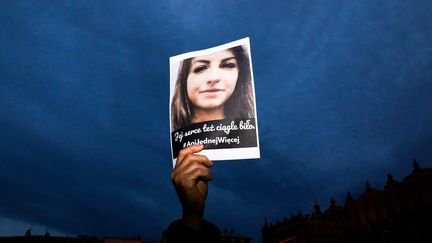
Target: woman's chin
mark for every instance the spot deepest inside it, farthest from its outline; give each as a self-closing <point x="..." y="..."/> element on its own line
<point x="211" y="108"/>
<point x="210" y="105"/>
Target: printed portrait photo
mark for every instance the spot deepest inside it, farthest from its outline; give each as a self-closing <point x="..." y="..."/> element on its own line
<point x="214" y="88"/>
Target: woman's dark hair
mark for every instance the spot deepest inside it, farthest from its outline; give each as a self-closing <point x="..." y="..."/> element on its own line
<point x="240" y="105"/>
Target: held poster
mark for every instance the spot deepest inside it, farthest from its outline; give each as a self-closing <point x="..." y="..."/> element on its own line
<point x="212" y="102"/>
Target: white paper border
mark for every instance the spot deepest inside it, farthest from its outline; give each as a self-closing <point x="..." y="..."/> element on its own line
<point x="217" y="154"/>
<point x="230" y="154"/>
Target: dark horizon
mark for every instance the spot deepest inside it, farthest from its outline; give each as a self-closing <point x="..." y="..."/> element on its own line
<point x="283" y="218"/>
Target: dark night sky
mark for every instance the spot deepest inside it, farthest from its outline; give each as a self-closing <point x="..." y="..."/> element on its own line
<point x="343" y="96"/>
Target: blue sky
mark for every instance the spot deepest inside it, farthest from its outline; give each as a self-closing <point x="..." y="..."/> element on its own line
<point x="343" y="94"/>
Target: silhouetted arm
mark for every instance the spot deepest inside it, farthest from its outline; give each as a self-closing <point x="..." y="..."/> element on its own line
<point x="190" y="177"/>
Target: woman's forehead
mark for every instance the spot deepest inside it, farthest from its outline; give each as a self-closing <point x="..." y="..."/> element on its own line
<point x="215" y="56"/>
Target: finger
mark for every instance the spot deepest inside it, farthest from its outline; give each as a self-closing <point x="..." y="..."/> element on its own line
<point x="186" y="173"/>
<point x="192" y="177"/>
<point x="192" y="159"/>
<point x="191" y="162"/>
<point x="207" y="177"/>
<point x="189" y="150"/>
<point x="199" y="174"/>
<point x="188" y="167"/>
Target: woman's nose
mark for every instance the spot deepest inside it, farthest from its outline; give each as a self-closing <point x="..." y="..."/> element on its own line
<point x="214" y="76"/>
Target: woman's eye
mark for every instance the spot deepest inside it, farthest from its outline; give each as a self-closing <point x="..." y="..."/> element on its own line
<point x="228" y="65"/>
<point x="199" y="69"/>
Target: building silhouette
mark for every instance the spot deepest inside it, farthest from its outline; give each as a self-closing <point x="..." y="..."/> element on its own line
<point x="29" y="238"/>
<point x="401" y="212"/>
<point x="226" y="236"/>
<point x="230" y="236"/>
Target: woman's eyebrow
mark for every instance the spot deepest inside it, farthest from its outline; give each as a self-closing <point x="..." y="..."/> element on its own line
<point x="201" y="60"/>
<point x="207" y="61"/>
<point x="227" y="59"/>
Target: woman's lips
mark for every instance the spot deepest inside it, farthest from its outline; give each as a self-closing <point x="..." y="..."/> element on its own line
<point x="211" y="90"/>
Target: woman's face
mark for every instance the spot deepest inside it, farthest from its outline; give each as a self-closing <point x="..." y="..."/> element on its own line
<point x="212" y="79"/>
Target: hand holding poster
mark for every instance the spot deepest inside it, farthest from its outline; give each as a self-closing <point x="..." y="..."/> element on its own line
<point x="212" y="102"/>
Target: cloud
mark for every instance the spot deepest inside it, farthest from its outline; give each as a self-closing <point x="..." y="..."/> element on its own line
<point x="343" y="96"/>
